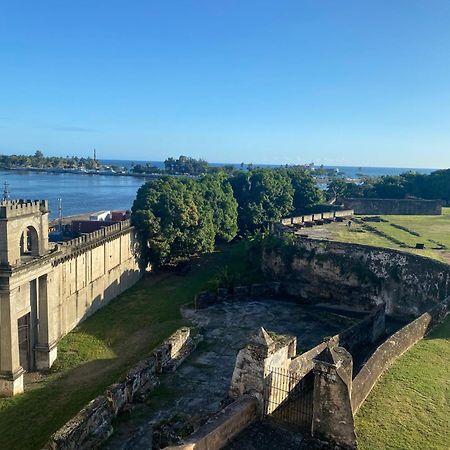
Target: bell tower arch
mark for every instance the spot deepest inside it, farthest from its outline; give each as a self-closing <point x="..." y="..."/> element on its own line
<point x="23" y="231"/>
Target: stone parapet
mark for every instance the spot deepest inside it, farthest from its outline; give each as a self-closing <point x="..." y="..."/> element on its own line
<point x="94" y="423"/>
<point x="15" y="208"/>
<point x="388" y="352"/>
<point x="223" y="426"/>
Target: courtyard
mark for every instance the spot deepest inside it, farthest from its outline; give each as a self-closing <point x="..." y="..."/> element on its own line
<point x="186" y="398"/>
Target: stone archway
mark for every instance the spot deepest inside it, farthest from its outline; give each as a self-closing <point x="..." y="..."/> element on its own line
<point x="29" y="242"/>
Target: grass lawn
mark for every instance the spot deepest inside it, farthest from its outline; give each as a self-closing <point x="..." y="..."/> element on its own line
<point x="101" y="350"/>
<point x="431" y="230"/>
<point x="409" y="408"/>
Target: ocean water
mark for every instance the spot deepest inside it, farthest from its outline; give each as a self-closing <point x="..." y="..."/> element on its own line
<point x="79" y="193"/>
<point x="88" y="193"/>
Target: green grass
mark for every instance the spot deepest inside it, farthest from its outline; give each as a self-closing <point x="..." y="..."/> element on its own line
<point x="101" y="350"/>
<point x="409" y="408"/>
<point x="430" y="228"/>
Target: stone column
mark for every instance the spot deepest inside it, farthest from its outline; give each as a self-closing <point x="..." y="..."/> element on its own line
<point x="11" y="373"/>
<point x="253" y="363"/>
<point x="332" y="410"/>
<point x="45" y="350"/>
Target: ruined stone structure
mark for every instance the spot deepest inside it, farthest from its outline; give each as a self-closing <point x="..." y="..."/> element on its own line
<point x="46" y="291"/>
<point x="358" y="276"/>
<point x="393" y="206"/>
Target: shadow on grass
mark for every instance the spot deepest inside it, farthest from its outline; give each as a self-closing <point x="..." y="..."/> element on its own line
<point x="442" y="331"/>
<point x="99" y="351"/>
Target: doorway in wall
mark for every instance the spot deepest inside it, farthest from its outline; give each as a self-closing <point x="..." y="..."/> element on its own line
<point x="23" y="325"/>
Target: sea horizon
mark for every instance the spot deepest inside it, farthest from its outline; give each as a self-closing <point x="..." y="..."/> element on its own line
<point x="348" y="170"/>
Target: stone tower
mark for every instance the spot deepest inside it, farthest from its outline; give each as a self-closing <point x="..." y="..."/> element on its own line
<point x="23" y="231"/>
<point x="23" y="291"/>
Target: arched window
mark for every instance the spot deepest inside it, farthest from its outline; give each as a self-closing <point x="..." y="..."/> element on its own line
<point x="29" y="242"/>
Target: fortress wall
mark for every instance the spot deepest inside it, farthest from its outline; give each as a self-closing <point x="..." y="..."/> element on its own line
<point x="393" y="206"/>
<point x="62" y="289"/>
<point x="357" y="276"/>
<point x="85" y="282"/>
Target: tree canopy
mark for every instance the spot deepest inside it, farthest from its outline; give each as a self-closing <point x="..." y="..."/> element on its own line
<point x="173" y="219"/>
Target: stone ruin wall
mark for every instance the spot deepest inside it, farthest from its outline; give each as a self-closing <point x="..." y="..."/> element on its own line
<point x="92" y="426"/>
<point x="358" y="276"/>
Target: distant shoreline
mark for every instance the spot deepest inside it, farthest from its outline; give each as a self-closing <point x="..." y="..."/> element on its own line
<point x="351" y="172"/>
<point x="80" y="172"/>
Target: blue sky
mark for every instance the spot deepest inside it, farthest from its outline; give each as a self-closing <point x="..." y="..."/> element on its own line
<point x="334" y="82"/>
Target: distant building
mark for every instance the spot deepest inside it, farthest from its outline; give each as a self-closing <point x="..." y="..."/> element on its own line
<point x="100" y="216"/>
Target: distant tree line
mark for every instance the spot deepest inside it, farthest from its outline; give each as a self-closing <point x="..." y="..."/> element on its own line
<point x="38" y="160"/>
<point x="185" y="165"/>
<point x="436" y="185"/>
<point x="180" y="217"/>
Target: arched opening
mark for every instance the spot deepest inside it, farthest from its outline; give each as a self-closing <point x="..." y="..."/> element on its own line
<point x="29" y="242"/>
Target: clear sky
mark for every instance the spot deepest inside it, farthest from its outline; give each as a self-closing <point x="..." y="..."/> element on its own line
<point x="331" y="81"/>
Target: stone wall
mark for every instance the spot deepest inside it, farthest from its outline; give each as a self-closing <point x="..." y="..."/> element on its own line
<point x="359" y="336"/>
<point x="393" y="206"/>
<point x="391" y="349"/>
<point x="253" y="362"/>
<point x="254" y="291"/>
<point x="332" y="412"/>
<point x="317" y="217"/>
<point x="223" y="426"/>
<point x="356" y="276"/>
<point x="63" y="287"/>
<point x="93" y="424"/>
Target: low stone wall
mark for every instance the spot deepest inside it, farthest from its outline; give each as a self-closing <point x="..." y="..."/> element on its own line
<point x="169" y="350"/>
<point x="354" y="338"/>
<point x="365" y="332"/>
<point x="317" y="217"/>
<point x="385" y="355"/>
<point x="223" y="426"/>
<point x="254" y="291"/>
<point x="93" y="424"/>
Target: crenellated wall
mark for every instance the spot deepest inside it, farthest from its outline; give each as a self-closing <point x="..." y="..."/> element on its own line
<point x="48" y="295"/>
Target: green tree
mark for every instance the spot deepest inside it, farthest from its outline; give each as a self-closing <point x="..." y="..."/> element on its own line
<point x="185" y="165"/>
<point x="389" y="187"/>
<point x="173" y="219"/>
<point x="337" y="187"/>
<point x="218" y="195"/>
<point x="263" y="196"/>
<point x="306" y="192"/>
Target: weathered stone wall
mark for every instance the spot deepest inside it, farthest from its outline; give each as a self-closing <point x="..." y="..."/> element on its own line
<point x="62" y="288"/>
<point x="254" y="291"/>
<point x="253" y="362"/>
<point x="393" y="206"/>
<point x="391" y="349"/>
<point x="361" y="335"/>
<point x="357" y="276"/>
<point x="93" y="424"/>
<point x="332" y="411"/>
<point x="223" y="426"/>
